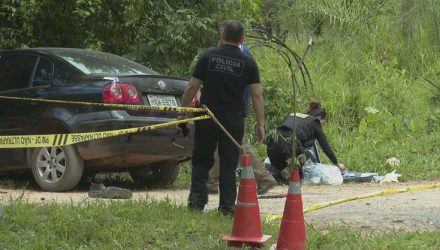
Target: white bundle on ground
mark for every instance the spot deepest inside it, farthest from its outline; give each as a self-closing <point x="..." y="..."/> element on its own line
<point x="321" y="174"/>
<point x="391" y="177"/>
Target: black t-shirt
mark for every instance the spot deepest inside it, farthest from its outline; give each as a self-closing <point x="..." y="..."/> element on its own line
<point x="224" y="72"/>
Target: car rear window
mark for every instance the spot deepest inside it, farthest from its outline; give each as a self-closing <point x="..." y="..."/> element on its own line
<point x="100" y="63"/>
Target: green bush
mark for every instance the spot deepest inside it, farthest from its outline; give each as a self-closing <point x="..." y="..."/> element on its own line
<point x="367" y="66"/>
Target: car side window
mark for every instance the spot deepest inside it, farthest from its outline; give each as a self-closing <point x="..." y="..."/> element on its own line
<point x="16" y="71"/>
<point x="43" y="73"/>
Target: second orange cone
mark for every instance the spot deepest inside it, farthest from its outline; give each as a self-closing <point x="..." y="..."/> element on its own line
<point x="292" y="231"/>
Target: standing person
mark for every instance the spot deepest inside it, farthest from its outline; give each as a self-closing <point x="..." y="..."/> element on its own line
<point x="224" y="72"/>
<point x="265" y="181"/>
<point x="308" y="129"/>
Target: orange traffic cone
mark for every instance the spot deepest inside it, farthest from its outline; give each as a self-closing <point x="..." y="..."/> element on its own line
<point x="247" y="224"/>
<point x="292" y="231"/>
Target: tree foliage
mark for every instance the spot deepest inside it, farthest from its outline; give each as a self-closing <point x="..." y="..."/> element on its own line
<point x="163" y="34"/>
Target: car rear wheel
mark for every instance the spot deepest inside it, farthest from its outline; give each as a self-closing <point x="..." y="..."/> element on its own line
<point x="160" y="174"/>
<point x="57" y="168"/>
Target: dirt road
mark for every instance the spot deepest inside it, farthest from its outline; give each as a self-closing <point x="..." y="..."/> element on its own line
<point x="411" y="211"/>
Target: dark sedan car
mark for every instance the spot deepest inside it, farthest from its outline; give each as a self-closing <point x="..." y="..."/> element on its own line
<point x="152" y="157"/>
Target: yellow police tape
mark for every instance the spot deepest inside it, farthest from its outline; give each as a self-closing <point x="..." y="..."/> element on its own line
<point x="317" y="206"/>
<point x="51" y="140"/>
<point x="110" y="105"/>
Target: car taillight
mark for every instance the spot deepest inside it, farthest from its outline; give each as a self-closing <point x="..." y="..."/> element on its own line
<point x="120" y="93"/>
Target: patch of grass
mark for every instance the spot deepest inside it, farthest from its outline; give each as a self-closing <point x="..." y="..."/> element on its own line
<point x="18" y="182"/>
<point x="346" y="238"/>
<point x="110" y="225"/>
<point x="162" y="225"/>
<point x="122" y="180"/>
<point x="184" y="179"/>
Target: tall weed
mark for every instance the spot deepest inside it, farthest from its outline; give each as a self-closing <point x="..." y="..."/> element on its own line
<point x="368" y="71"/>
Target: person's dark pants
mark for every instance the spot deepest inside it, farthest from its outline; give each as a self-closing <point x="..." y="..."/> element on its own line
<point x="279" y="153"/>
<point x="278" y="158"/>
<point x="207" y="136"/>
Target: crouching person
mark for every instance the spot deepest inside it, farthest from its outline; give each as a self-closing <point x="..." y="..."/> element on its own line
<point x="308" y="129"/>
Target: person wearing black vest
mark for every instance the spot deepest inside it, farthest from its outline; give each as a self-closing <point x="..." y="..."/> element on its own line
<point x="223" y="72"/>
<point x="264" y="178"/>
<point x="308" y="129"/>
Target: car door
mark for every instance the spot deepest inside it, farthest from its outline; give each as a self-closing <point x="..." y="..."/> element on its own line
<point x="16" y="71"/>
<point x="41" y="82"/>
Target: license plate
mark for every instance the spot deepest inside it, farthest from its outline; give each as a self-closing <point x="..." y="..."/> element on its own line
<point x="162" y="100"/>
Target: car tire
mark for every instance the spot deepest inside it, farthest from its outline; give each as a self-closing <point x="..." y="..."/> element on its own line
<point x="160" y="174"/>
<point x="57" y="168"/>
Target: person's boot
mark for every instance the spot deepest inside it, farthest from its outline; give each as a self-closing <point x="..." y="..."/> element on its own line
<point x="229" y="212"/>
<point x="265" y="185"/>
<point x="264" y="178"/>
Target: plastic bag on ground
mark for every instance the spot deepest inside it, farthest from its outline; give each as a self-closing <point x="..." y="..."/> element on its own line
<point x="321" y="174"/>
<point x="391" y="177"/>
